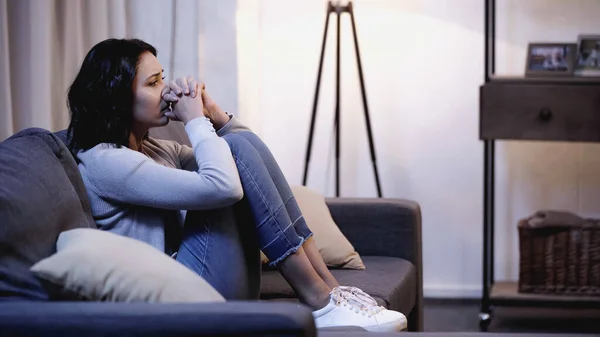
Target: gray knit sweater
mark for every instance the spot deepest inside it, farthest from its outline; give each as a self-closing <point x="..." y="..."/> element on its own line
<point x="139" y="194"/>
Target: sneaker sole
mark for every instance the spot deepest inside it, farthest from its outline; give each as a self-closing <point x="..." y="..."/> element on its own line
<point x="387" y="327"/>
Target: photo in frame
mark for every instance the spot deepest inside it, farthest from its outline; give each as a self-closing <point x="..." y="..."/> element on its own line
<point x="550" y="59"/>
<point x="588" y="58"/>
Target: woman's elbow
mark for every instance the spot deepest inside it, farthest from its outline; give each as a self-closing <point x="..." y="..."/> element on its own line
<point x="237" y="193"/>
<point x="234" y="193"/>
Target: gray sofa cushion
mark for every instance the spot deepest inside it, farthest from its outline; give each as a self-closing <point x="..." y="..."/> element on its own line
<point x="41" y="195"/>
<point x="390" y="280"/>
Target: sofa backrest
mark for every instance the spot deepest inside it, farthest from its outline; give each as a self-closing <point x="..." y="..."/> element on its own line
<point x="41" y="195"/>
<point x="62" y="135"/>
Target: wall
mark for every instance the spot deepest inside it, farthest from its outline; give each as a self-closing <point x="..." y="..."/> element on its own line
<point x="423" y="64"/>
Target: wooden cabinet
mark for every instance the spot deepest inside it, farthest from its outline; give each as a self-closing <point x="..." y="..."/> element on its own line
<point x="558" y="112"/>
<point x="518" y="108"/>
<point x="530" y="109"/>
<point x="540" y="112"/>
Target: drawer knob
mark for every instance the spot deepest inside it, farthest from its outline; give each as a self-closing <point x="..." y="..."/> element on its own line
<point x="545" y="114"/>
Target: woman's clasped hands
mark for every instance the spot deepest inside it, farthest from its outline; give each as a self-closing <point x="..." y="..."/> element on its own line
<point x="185" y="95"/>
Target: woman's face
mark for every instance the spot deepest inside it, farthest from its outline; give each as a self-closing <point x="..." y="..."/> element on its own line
<point x="148" y="107"/>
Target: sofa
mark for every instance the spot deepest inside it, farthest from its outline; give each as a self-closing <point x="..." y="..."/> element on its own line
<point x="386" y="232"/>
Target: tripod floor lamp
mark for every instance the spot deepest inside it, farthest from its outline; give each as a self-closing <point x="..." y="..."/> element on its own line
<point x="338" y="9"/>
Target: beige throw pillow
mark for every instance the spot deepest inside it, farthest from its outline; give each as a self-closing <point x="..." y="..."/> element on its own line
<point x="336" y="250"/>
<point x="102" y="266"/>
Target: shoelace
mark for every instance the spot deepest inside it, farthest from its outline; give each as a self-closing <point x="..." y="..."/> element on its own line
<point x="343" y="297"/>
<point x="360" y="295"/>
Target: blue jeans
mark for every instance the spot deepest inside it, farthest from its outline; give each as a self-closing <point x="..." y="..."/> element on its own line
<point x="223" y="245"/>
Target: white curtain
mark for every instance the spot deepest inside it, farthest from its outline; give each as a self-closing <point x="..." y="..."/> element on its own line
<point x="43" y="42"/>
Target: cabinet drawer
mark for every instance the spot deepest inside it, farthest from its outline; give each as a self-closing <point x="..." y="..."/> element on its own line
<point x="540" y="112"/>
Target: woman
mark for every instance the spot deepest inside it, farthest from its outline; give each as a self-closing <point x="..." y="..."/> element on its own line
<point x="237" y="197"/>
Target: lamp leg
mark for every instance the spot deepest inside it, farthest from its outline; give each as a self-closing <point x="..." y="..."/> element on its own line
<point x="364" y="100"/>
<point x="337" y="108"/>
<point x="316" y="98"/>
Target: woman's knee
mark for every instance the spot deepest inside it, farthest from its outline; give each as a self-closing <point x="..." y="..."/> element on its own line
<point x="237" y="142"/>
<point x="250" y="136"/>
<point x="255" y="142"/>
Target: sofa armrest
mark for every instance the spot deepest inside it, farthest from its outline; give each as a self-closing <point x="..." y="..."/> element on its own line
<point x="380" y="227"/>
<point x="92" y="319"/>
<point x="384" y="227"/>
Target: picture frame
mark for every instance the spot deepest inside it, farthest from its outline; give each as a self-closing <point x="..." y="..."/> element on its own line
<point x="587" y="62"/>
<point x="550" y="59"/>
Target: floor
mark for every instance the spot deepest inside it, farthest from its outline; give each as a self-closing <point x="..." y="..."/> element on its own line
<point x="462" y="316"/>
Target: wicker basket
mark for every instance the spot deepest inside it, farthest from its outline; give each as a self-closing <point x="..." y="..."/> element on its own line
<point x="559" y="254"/>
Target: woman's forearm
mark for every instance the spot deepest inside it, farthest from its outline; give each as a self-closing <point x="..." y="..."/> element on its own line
<point x="218" y="117"/>
<point x="212" y="111"/>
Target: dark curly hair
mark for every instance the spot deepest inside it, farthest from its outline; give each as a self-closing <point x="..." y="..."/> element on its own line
<point x="100" y="99"/>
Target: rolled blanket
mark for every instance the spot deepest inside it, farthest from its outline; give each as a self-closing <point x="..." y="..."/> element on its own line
<point x="549" y="218"/>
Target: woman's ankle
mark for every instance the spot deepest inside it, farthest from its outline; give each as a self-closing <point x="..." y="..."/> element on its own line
<point x="311" y="289"/>
<point x="316" y="301"/>
<point x="331" y="282"/>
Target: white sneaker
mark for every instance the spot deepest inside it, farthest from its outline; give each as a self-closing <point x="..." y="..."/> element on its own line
<point x="346" y="309"/>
